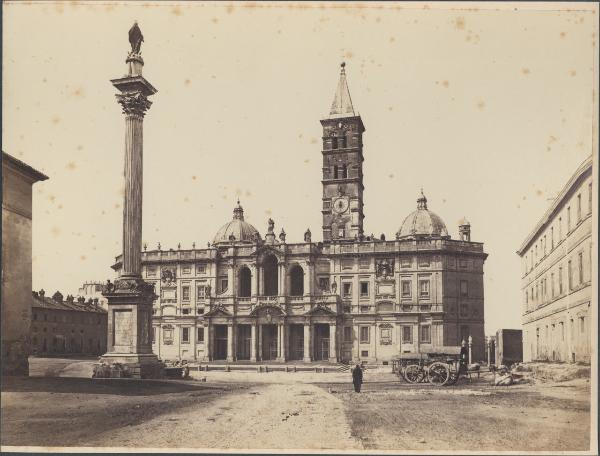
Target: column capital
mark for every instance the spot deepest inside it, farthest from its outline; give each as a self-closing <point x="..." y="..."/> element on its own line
<point x="134" y="103"/>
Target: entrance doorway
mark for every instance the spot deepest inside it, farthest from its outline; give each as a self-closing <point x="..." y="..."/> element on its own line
<point x="243" y="341"/>
<point x="321" y="348"/>
<point x="269" y="342"/>
<point x="220" y="342"/>
<point x="296" y="342"/>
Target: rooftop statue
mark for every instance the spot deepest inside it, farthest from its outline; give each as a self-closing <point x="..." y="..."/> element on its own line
<point x="135" y="38"/>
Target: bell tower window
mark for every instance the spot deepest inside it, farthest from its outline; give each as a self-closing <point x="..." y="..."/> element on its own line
<point x="335" y="172"/>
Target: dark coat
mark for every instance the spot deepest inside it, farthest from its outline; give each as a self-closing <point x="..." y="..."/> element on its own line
<point x="357" y="375"/>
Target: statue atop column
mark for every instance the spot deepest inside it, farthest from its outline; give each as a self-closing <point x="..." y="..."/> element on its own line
<point x="135" y="38"/>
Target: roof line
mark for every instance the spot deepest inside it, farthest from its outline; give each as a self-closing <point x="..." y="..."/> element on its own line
<point x="583" y="168"/>
<point x="24" y="167"/>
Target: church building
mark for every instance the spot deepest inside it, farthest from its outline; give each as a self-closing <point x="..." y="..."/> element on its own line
<point x="350" y="297"/>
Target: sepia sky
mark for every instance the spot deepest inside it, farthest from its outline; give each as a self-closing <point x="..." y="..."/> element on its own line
<point x="487" y="107"/>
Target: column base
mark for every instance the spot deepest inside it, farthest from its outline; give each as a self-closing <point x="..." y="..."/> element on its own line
<point x="229" y="359"/>
<point x="333" y="360"/>
<point x="129" y="365"/>
<point x="307" y="359"/>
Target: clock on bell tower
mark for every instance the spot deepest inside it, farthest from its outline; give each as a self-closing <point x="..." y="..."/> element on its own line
<point x="342" y="168"/>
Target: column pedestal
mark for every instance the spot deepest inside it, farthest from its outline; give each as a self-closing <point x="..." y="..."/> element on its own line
<point x="253" y="343"/>
<point x="129" y="332"/>
<point x="229" y="343"/>
<point x="333" y="343"/>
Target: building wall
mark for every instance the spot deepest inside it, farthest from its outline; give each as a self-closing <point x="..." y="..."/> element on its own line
<point x="67" y="332"/>
<point x="434" y="318"/>
<point x="509" y="346"/>
<point x="557" y="278"/>
<point x="17" y="183"/>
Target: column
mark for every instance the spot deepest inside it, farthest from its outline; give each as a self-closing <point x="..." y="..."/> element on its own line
<point x="229" y="342"/>
<point x="253" y="281"/>
<point x="260" y="341"/>
<point x="307" y="344"/>
<point x="261" y="284"/>
<point x="207" y="344"/>
<point x="333" y="343"/>
<point x="230" y="284"/>
<point x="470" y="350"/>
<point x="281" y="341"/>
<point x="282" y="288"/>
<point x="306" y="279"/>
<point x="253" y="342"/>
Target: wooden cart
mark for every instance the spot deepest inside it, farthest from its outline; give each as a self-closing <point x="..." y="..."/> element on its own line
<point x="438" y="366"/>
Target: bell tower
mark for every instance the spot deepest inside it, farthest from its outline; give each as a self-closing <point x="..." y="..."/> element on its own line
<point x="342" y="168"/>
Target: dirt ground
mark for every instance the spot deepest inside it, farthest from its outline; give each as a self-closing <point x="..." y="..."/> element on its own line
<point x="237" y="410"/>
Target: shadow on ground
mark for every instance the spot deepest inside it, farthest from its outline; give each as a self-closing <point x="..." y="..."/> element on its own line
<point x="113" y="386"/>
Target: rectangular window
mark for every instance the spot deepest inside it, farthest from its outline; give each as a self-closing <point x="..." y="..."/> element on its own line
<point x="464" y="288"/>
<point x="365" y="334"/>
<point x="200" y="335"/>
<point x="364" y="289"/>
<point x="224" y="284"/>
<point x="347" y="333"/>
<point x="187" y="269"/>
<point x="364" y="263"/>
<point x="562" y="331"/>
<point x="347" y="265"/>
<point x="185" y="293"/>
<point x="544" y="245"/>
<point x="407" y="334"/>
<point x="570" y="275"/>
<point x="568" y="219"/>
<point x="200" y="292"/>
<point x="201" y="268"/>
<point x="185" y="311"/>
<point x="406" y="289"/>
<point x="426" y="334"/>
<point x="560" y="280"/>
<point x="324" y="283"/>
<point x="364" y="353"/>
<point x="151" y="271"/>
<point x="405" y="262"/>
<point x="464" y="310"/>
<point x="462" y="263"/>
<point x="552" y="284"/>
<point x="424" y="261"/>
<point x="580" y="261"/>
<point x="579" y="208"/>
<point x="347" y="290"/>
<point x="185" y="335"/>
<point x="559" y="229"/>
<point x="424" y="288"/>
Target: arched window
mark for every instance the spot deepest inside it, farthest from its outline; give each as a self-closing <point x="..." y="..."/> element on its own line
<point x="297" y="281"/>
<point x="335" y="172"/>
<point x="245" y="283"/>
<point x="270" y="276"/>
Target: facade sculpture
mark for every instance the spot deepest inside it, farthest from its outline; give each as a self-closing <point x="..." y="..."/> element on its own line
<point x="246" y="297"/>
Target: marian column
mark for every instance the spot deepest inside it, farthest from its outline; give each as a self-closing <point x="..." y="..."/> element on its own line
<point x="130" y="298"/>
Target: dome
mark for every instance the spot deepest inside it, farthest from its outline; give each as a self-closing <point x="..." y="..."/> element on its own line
<point x="237" y="230"/>
<point x="422" y="222"/>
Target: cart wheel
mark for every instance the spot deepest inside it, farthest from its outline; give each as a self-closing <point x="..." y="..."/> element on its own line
<point x="438" y="373"/>
<point x="413" y="373"/>
<point x="453" y="378"/>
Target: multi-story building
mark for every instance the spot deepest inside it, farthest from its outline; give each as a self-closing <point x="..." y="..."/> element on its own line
<point x="350" y="297"/>
<point x="17" y="182"/>
<point x="66" y="326"/>
<point x="556" y="287"/>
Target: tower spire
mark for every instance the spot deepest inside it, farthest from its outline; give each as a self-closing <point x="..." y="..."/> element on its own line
<point x="342" y="103"/>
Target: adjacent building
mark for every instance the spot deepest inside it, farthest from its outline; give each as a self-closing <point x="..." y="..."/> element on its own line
<point x="508" y="345"/>
<point x="66" y="325"/>
<point x="557" y="258"/>
<point x="93" y="290"/>
<point x="17" y="181"/>
<point x="350" y="297"/>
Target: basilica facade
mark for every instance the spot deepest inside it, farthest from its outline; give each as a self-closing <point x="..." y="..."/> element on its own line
<point x="350" y="297"/>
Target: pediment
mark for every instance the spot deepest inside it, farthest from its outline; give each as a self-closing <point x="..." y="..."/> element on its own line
<point x="218" y="311"/>
<point x="320" y="310"/>
<point x="265" y="250"/>
<point x="267" y="309"/>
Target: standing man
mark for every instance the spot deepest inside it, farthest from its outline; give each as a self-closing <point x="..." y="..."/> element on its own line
<point x="357" y="377"/>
